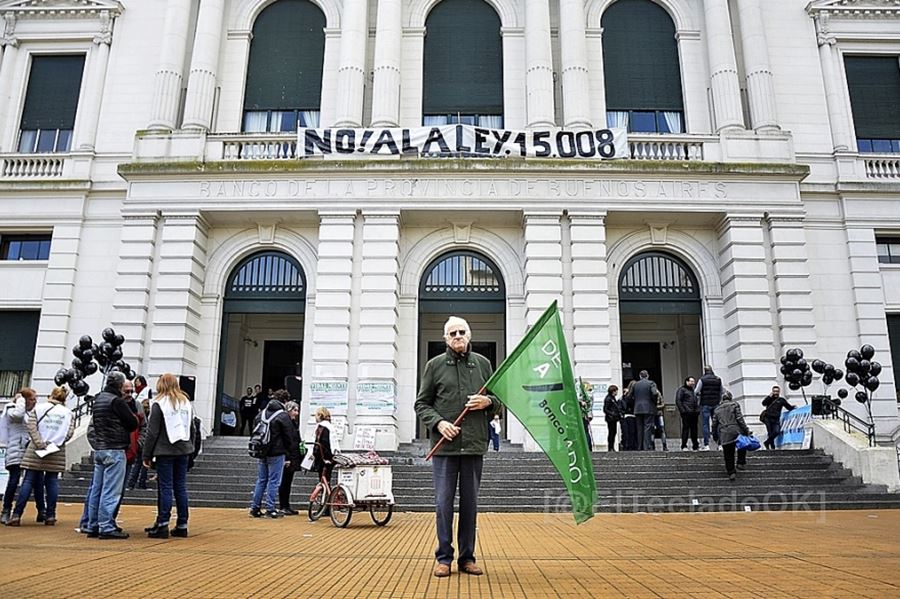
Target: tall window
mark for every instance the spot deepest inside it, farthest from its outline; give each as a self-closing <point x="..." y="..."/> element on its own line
<point x="888" y="249"/>
<point x="51" y="101"/>
<point x="893" y="322"/>
<point x="18" y="336"/>
<point x="284" y="74"/>
<point x="874" y="85"/>
<point x="642" y="69"/>
<point x="463" y="71"/>
<point x="25" y="247"/>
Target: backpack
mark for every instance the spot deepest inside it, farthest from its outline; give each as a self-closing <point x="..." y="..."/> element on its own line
<point x="261" y="437"/>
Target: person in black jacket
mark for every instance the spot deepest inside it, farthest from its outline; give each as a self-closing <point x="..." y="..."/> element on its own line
<point x="248" y="411"/>
<point x="112" y="421"/>
<point x="612" y="413"/>
<point x="629" y="422"/>
<point x="271" y="468"/>
<point x="773" y="405"/>
<point x="709" y="391"/>
<point x="292" y="464"/>
<point x="689" y="408"/>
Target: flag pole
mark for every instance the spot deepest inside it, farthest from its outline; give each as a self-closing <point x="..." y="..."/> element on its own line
<point x="455" y="423"/>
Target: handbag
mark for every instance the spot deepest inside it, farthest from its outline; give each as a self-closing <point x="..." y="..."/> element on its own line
<point x="747" y="443"/>
<point x="762" y="416"/>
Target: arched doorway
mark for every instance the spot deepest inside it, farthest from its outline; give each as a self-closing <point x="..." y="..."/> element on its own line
<point x="469" y="285"/>
<point x="262" y="331"/>
<point x="660" y="325"/>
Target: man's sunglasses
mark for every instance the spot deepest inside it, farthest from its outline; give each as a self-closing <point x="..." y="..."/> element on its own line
<point x="456" y="333"/>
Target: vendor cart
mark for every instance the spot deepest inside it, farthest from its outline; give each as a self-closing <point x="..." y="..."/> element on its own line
<point x="361" y="485"/>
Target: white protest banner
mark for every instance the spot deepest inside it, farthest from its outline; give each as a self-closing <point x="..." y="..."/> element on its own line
<point x="328" y="394"/>
<point x="463" y="140"/>
<point x="375" y="399"/>
<point x="364" y="438"/>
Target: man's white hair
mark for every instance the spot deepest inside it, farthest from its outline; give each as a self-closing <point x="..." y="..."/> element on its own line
<point x="455" y="321"/>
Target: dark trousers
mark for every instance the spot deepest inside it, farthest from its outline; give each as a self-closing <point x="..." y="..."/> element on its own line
<point x="689" y="424"/>
<point x="138" y="475"/>
<point x="773" y="428"/>
<point x="645" y="424"/>
<point x="728" y="450"/>
<point x="284" y="489"/>
<point x="46" y="491"/>
<point x="611" y="426"/>
<point x="629" y="433"/>
<point x="587" y="432"/>
<point x="449" y="473"/>
<point x="247" y="417"/>
<point x="12" y="485"/>
<point x="495" y="439"/>
<point x="171" y="474"/>
<point x="128" y="469"/>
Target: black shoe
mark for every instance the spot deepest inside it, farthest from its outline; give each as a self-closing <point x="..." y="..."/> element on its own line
<point x="161" y="532"/>
<point x="732" y="477"/>
<point x="289" y="512"/>
<point x="180" y="532"/>
<point x="129" y="488"/>
<point x="40" y="517"/>
<point x="92" y="534"/>
<point x="153" y="528"/>
<point x="742" y="466"/>
<point x="255" y="513"/>
<point x="116" y="534"/>
<point x="4" y="516"/>
<point x="273" y="514"/>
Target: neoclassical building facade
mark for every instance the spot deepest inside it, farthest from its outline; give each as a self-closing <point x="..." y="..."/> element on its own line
<point x="151" y="181"/>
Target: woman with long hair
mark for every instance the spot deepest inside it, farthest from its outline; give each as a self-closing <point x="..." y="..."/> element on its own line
<point x="169" y="442"/>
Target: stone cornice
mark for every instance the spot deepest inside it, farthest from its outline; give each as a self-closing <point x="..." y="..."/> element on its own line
<point x="61" y="9"/>
<point x="856" y="9"/>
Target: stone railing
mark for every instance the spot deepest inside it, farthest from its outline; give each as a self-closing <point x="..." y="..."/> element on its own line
<point x="882" y="166"/>
<point x="32" y="166"/>
<point x="669" y="147"/>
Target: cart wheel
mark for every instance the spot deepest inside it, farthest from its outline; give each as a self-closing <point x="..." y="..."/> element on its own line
<point x="341" y="508"/>
<point x="318" y="505"/>
<point x="381" y="514"/>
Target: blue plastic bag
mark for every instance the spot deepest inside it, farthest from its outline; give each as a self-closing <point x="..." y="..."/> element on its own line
<point x="748" y="443"/>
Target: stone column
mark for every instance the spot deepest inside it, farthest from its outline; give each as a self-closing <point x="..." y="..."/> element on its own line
<point x="204" y="65"/>
<point x="573" y="52"/>
<point x="352" y="71"/>
<point x="834" y="86"/>
<point x="748" y="317"/>
<point x="169" y="76"/>
<point x="543" y="263"/>
<point x="9" y="44"/>
<point x="792" y="289"/>
<point x="134" y="271"/>
<point x="590" y="305"/>
<point x="726" y="90"/>
<point x="51" y="350"/>
<point x="379" y="307"/>
<point x="89" y="106"/>
<point x="760" y="84"/>
<point x="175" y="333"/>
<point x="386" y="83"/>
<point x="539" y="65"/>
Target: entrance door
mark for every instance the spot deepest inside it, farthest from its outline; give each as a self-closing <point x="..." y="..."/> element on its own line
<point x="641" y="356"/>
<point x="281" y="359"/>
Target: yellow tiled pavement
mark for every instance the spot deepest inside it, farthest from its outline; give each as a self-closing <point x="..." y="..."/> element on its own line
<point x="829" y="554"/>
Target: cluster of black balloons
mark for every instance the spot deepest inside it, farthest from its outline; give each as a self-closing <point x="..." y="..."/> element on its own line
<point x="90" y="357"/>
<point x="863" y="371"/>
<point x="795" y="369"/>
<point x="829" y="373"/>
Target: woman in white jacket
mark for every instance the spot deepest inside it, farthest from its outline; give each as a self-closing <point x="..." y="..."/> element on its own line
<point x="14" y="436"/>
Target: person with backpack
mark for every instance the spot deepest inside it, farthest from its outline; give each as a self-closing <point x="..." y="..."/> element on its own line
<point x="269" y="444"/>
<point x="771" y="416"/>
<point x="170" y="441"/>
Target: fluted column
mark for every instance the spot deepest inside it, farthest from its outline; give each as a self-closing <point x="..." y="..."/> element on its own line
<point x="89" y="109"/>
<point x="170" y="73"/>
<point x="539" y="65"/>
<point x="760" y="83"/>
<point x="834" y="94"/>
<point x="204" y="65"/>
<point x="543" y="262"/>
<point x="9" y="45"/>
<point x="726" y="89"/>
<point x="352" y="71"/>
<point x="573" y="52"/>
<point x="386" y="84"/>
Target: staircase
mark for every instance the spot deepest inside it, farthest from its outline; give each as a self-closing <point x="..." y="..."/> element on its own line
<point x="517" y="481"/>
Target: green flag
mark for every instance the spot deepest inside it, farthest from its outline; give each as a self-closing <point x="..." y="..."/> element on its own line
<point x="536" y="384"/>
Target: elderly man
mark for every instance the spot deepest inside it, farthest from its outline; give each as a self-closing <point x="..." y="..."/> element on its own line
<point x="452" y="382"/>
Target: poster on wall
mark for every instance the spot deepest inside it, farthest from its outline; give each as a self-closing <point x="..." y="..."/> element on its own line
<point x="364" y="438"/>
<point x="796" y="429"/>
<point x="463" y="141"/>
<point x="331" y="395"/>
<point x="598" y="394"/>
<point x="375" y="398"/>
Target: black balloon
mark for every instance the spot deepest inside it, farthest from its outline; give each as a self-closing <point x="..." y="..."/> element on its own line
<point x="131" y="375"/>
<point x="90" y="368"/>
<point x="861" y="397"/>
<point x="807" y="378"/>
<point x="60" y="377"/>
<point x="77" y="363"/>
<point x="794" y="354"/>
<point x="77" y="351"/>
<point x="854" y="354"/>
<point x="864" y="366"/>
<point x="106" y="348"/>
<point x="872" y="384"/>
<point x="794" y="386"/>
<point x="875" y="369"/>
<point x="796" y="375"/>
<point x="827" y="379"/>
<point x="785" y="370"/>
<point x="852" y="364"/>
<point x="73" y="374"/>
<point x="119" y="340"/>
<point x="109" y="335"/>
<point x="87" y="355"/>
<point x="95" y="348"/>
<point x="802" y="364"/>
<point x="842" y="393"/>
<point x="838" y="374"/>
<point x="116" y="354"/>
<point x="852" y="379"/>
<point x="818" y="366"/>
<point x="80" y="388"/>
<point x="784" y="360"/>
<point x="837" y="401"/>
<point x="102" y="359"/>
<point x="829" y="368"/>
<point x="85" y="342"/>
<point x="867" y="351"/>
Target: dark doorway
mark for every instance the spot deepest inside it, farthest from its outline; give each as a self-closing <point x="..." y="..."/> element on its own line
<point x="641" y="356"/>
<point x="280" y="359"/>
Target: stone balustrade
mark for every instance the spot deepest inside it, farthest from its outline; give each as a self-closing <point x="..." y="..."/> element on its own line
<point x="32" y="166"/>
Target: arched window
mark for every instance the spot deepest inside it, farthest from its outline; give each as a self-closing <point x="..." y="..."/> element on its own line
<point x="266" y="282"/>
<point x="641" y="68"/>
<point x="462" y="276"/>
<point x="658" y="283"/>
<point x="463" y="71"/>
<point x="284" y="74"/>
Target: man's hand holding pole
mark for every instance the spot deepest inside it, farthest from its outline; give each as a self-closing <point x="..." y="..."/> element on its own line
<point x="450" y="431"/>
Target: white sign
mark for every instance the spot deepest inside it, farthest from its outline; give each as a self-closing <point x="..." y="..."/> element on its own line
<point x="375" y="399"/>
<point x="328" y="394"/>
<point x="463" y="140"/>
<point x="364" y="438"/>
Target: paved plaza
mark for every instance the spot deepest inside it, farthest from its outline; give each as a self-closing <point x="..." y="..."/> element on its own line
<point x="825" y="554"/>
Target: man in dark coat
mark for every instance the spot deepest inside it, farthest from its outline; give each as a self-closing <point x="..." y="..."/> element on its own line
<point x="689" y="408"/>
<point x="645" y="396"/>
<point x="451" y="383"/>
<point x="773" y="404"/>
<point x="709" y="392"/>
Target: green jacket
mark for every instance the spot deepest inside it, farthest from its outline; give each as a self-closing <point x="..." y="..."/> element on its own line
<point x="447" y="382"/>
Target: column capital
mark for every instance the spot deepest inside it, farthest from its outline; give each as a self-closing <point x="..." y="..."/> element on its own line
<point x="542" y="216"/>
<point x="104" y="36"/>
<point x="588" y="217"/>
<point x="9" y="40"/>
<point x="336" y="216"/>
<point x="375" y="214"/>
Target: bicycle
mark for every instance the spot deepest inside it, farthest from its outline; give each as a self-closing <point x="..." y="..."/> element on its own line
<point x="318" y="499"/>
